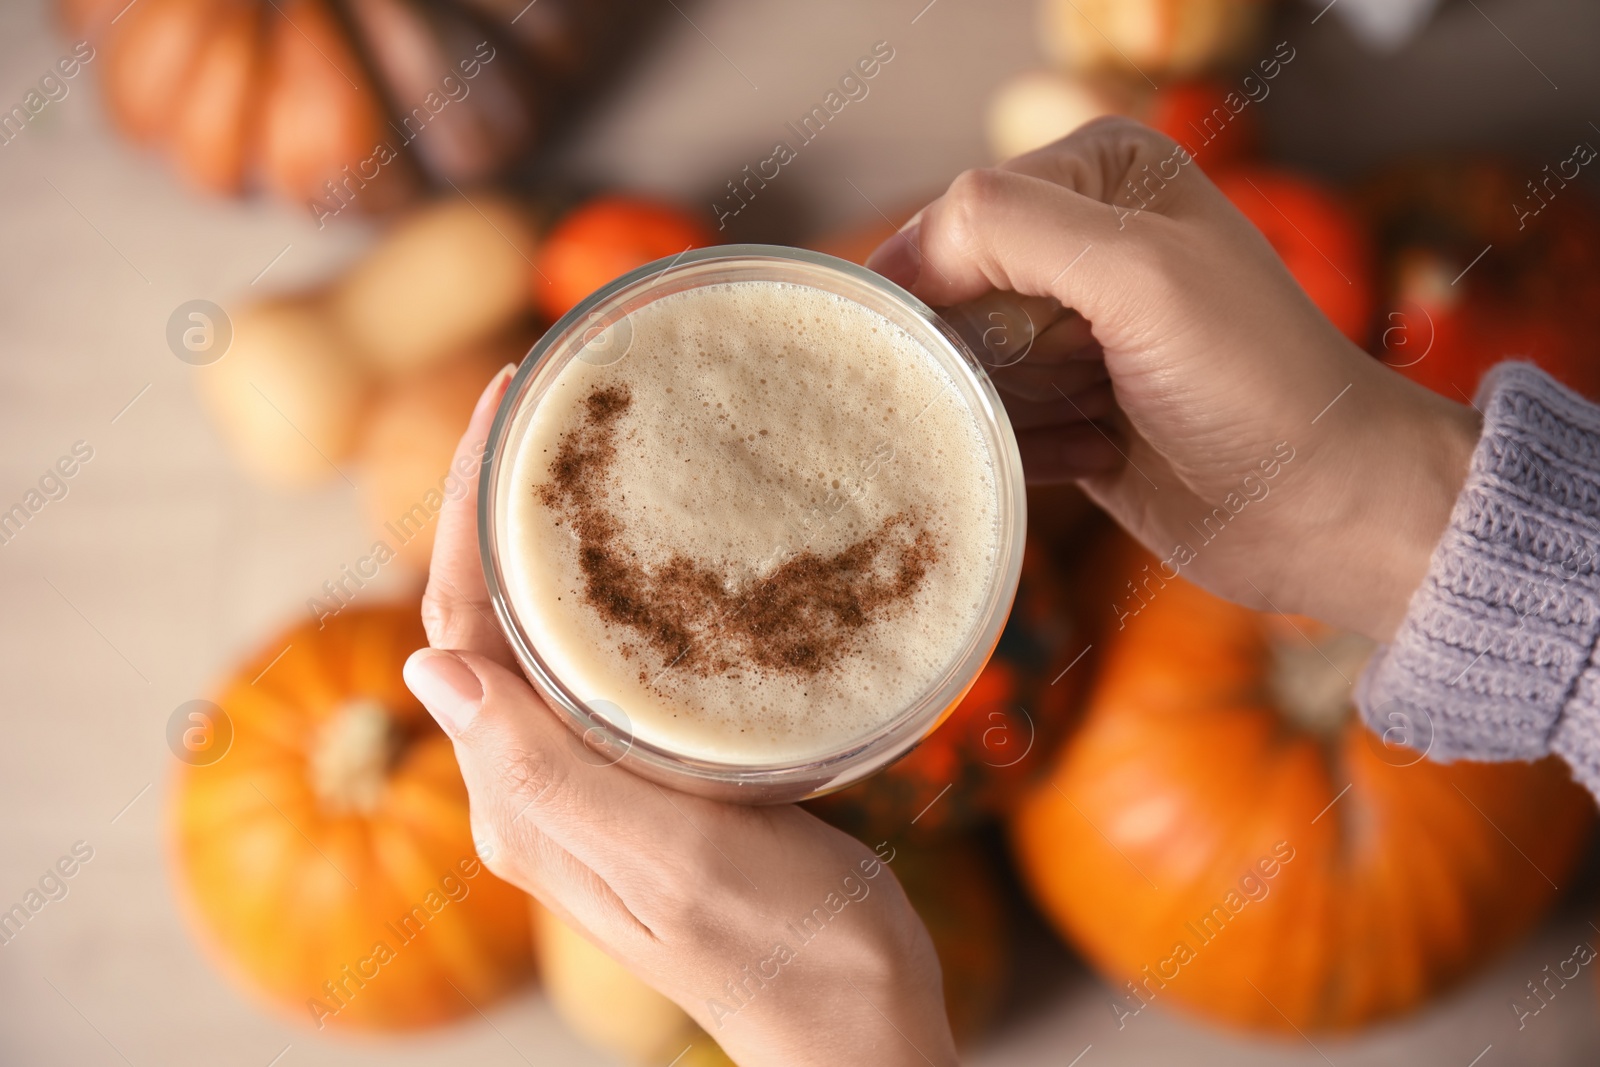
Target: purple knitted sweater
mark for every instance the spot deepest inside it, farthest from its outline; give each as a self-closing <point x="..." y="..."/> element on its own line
<point x="1496" y="656"/>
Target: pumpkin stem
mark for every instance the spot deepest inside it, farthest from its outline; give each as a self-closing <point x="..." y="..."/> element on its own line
<point x="1310" y="683"/>
<point x="352" y="755"/>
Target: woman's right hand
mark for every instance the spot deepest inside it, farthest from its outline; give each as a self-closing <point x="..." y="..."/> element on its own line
<point x="1240" y="436"/>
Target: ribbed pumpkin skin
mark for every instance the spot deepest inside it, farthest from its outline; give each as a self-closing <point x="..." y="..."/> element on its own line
<point x="289" y="891"/>
<point x="1184" y="775"/>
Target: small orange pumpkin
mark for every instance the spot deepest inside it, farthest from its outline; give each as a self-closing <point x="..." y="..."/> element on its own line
<point x="326" y="855"/>
<point x="1223" y="835"/>
<point x="604" y="239"/>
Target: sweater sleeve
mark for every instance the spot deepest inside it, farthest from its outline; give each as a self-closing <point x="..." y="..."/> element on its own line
<point x="1496" y="658"/>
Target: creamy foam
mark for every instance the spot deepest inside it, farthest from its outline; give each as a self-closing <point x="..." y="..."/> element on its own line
<point x="763" y="532"/>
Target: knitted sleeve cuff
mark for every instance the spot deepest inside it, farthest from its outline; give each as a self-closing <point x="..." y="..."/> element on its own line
<point x="1495" y="658"/>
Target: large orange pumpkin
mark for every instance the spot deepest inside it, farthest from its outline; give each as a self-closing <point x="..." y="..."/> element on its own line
<point x="326" y="855"/>
<point x="370" y="95"/>
<point x="1221" y="834"/>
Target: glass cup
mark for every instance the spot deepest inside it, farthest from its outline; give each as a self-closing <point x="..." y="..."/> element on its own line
<point x="605" y="730"/>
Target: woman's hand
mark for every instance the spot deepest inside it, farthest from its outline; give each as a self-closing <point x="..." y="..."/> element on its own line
<point x="1191" y="386"/>
<point x="788" y="941"/>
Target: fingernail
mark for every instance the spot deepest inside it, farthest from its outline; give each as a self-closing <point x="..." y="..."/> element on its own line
<point x="447" y="687"/>
<point x="492" y="391"/>
<point x="900" y="258"/>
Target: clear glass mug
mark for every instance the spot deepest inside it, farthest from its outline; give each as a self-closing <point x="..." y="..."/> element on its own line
<point x="605" y="730"/>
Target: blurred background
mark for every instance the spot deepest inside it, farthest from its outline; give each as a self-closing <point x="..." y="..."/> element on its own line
<point x="260" y="257"/>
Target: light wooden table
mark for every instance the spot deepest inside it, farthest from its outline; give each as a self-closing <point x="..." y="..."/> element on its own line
<point x="162" y="565"/>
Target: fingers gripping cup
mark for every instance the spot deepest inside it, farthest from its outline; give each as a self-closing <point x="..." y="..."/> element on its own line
<point x="752" y="520"/>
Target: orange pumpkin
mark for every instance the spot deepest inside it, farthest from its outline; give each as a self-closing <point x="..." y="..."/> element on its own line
<point x="1321" y="240"/>
<point x="1221" y="834"/>
<point x="605" y="238"/>
<point x="343" y="102"/>
<point x="1479" y="267"/>
<point x="998" y="739"/>
<point x="326" y="855"/>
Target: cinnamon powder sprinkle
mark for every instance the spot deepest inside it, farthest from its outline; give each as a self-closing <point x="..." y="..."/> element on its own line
<point x="801" y="620"/>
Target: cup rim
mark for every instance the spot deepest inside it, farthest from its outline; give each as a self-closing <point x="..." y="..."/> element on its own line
<point x="780" y="780"/>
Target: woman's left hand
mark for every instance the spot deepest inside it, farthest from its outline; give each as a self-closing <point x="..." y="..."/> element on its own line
<point x="787" y="940"/>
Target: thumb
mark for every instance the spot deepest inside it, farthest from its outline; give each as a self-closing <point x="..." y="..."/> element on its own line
<point x="523" y="766"/>
<point x="1090" y="221"/>
<point x="1000" y="229"/>
<point x="447" y="687"/>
